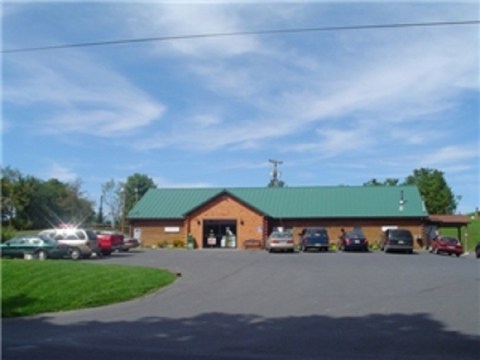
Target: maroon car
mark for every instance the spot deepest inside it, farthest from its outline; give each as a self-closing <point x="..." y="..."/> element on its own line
<point x="447" y="245"/>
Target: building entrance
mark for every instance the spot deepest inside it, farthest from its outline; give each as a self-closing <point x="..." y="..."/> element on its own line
<point x="220" y="234"/>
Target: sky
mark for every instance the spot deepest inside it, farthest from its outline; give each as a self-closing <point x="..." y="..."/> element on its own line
<point x="336" y="107"/>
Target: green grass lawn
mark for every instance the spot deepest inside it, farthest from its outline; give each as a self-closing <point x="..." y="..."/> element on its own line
<point x="34" y="287"/>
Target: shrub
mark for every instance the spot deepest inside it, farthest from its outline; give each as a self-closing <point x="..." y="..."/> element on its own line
<point x="8" y="233"/>
<point x="163" y="244"/>
<point x="178" y="243"/>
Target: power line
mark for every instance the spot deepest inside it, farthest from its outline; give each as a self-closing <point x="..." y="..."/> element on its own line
<point x="241" y="33"/>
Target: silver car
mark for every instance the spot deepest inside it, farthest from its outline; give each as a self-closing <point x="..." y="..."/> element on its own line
<point x="82" y="239"/>
<point x="280" y="241"/>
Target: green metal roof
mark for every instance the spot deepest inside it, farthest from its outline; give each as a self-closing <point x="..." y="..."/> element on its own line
<point x="289" y="202"/>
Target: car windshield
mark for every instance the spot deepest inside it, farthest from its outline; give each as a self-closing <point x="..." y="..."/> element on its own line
<point x="316" y="232"/>
<point x="17" y="240"/>
<point x="357" y="234"/>
<point x="451" y="240"/>
<point x="401" y="235"/>
<point x="281" y="235"/>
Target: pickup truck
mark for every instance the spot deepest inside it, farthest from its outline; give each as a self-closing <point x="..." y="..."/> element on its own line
<point x="110" y="241"/>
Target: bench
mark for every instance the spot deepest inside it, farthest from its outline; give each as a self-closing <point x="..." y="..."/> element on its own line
<point x="252" y="244"/>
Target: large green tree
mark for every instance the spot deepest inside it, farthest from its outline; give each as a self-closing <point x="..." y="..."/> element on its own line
<point x="135" y="187"/>
<point x="119" y="197"/>
<point x="438" y="196"/>
<point x="11" y="199"/>
<point x="31" y="203"/>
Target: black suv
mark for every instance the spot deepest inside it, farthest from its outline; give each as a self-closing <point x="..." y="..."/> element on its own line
<point x="314" y="238"/>
<point x="397" y="240"/>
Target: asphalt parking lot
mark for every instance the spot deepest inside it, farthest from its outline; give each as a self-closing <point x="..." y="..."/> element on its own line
<point x="255" y="305"/>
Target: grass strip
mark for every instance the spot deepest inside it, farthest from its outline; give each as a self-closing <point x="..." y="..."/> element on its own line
<point x="35" y="287"/>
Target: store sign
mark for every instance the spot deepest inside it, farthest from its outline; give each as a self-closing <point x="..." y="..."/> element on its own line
<point x="172" y="229"/>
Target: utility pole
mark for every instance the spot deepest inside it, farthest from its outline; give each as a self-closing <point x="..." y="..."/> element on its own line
<point x="274" y="181"/>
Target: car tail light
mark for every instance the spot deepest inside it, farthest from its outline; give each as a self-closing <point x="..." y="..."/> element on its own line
<point x="274" y="241"/>
<point x="289" y="241"/>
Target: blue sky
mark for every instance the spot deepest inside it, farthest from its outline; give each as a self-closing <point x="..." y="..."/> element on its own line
<point x="336" y="107"/>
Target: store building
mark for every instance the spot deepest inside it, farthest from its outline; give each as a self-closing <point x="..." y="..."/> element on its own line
<point x="230" y="217"/>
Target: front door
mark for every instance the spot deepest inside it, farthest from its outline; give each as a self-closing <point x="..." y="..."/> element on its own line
<point x="220" y="234"/>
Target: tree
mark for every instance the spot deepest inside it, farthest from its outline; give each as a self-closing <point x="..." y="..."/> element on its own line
<point x="438" y="197"/>
<point x="31" y="203"/>
<point x="276" y="183"/>
<point x="113" y="198"/>
<point x="10" y="199"/>
<point x="386" y="182"/>
<point x="135" y="187"/>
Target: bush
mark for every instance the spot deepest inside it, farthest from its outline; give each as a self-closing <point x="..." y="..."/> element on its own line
<point x="163" y="244"/>
<point x="332" y="247"/>
<point x="177" y="243"/>
<point x="8" y="233"/>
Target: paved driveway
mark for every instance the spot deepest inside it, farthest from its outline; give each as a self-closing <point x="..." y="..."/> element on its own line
<point x="255" y="305"/>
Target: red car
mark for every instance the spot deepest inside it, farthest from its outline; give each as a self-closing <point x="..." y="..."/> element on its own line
<point x="446" y="244"/>
<point x="109" y="241"/>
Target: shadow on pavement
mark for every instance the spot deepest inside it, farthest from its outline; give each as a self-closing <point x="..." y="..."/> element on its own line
<point x="230" y="336"/>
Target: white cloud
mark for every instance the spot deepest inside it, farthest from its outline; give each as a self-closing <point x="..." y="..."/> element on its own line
<point x="79" y="96"/>
<point x="206" y="120"/>
<point x="452" y="155"/>
<point x="184" y="20"/>
<point x="59" y="172"/>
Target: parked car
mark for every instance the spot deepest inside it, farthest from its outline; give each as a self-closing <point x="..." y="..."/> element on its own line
<point x="280" y="241"/>
<point x="353" y="240"/>
<point x="110" y="241"/>
<point x="39" y="247"/>
<point x="446" y="245"/>
<point x="477" y="250"/>
<point x="129" y="243"/>
<point x="314" y="238"/>
<point x="397" y="240"/>
<point x="83" y="239"/>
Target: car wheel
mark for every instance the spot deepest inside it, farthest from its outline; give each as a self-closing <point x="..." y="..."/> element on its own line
<point x="75" y="254"/>
<point x="458" y="255"/>
<point x="41" y="255"/>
